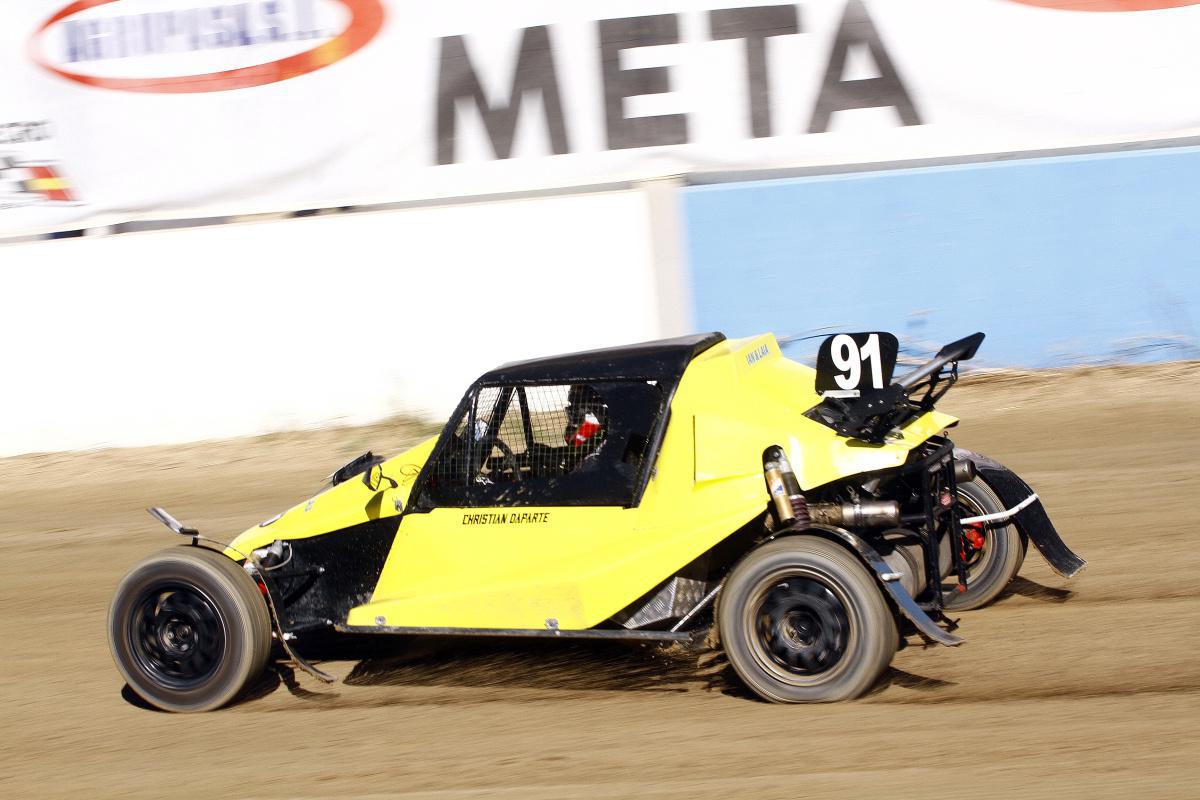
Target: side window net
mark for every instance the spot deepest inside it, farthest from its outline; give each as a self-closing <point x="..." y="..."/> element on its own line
<point x="559" y="444"/>
<point x="544" y="432"/>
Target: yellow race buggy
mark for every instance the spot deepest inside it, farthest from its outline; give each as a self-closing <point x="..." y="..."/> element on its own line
<point x="651" y="492"/>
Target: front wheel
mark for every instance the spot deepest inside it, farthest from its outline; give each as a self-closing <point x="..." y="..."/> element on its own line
<point x="802" y="621"/>
<point x="189" y="629"/>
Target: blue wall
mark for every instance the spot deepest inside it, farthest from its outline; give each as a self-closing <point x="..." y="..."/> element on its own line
<point x="1061" y="260"/>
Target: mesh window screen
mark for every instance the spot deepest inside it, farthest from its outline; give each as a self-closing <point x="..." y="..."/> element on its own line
<point x="577" y="444"/>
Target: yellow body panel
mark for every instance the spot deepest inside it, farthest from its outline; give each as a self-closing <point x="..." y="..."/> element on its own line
<point x="337" y="507"/>
<point x="574" y="567"/>
<point x="501" y="568"/>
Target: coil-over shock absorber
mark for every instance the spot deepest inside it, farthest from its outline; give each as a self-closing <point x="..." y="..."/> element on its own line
<point x="790" y="506"/>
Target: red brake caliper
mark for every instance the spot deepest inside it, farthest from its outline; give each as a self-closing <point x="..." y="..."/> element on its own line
<point x="974" y="537"/>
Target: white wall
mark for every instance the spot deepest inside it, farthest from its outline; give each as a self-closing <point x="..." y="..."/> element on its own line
<point x="239" y="329"/>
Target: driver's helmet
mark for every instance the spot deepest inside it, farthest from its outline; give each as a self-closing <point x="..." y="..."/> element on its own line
<point x="587" y="417"/>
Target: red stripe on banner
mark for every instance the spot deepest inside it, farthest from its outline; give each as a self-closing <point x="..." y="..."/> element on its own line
<point x="366" y="20"/>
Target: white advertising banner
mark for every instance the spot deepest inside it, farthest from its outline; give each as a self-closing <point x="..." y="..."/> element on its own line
<point x="118" y="110"/>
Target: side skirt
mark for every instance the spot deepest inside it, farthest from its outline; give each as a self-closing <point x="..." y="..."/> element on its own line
<point x="549" y="633"/>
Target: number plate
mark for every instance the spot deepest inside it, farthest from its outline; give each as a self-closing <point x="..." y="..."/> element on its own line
<point x="850" y="363"/>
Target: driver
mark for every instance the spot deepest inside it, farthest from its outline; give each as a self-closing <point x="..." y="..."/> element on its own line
<point x="587" y="422"/>
<point x="585" y="432"/>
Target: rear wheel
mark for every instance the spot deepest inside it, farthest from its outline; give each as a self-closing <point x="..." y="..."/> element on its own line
<point x="189" y="629"/>
<point x="993" y="552"/>
<point x="802" y="621"/>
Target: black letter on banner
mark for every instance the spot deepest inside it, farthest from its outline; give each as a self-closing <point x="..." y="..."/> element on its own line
<point x="755" y="25"/>
<point x="627" y="33"/>
<point x="839" y="95"/>
<point x="535" y="72"/>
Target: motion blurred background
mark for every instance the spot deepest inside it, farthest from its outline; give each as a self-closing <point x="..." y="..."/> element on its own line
<point x="233" y="218"/>
<point x="301" y="227"/>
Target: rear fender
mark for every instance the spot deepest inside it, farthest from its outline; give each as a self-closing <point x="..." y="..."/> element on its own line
<point x="888" y="578"/>
<point x="1032" y="521"/>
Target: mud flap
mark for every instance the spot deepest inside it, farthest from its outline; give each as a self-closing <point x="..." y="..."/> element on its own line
<point x="1032" y="521"/>
<point x="891" y="584"/>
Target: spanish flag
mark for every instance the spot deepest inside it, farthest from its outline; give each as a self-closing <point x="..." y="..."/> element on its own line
<point x="45" y="181"/>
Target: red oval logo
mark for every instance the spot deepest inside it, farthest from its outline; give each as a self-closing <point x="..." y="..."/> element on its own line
<point x="142" y="31"/>
<point x="1108" y="5"/>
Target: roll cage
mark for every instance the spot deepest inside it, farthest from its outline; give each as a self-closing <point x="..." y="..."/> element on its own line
<point x="463" y="448"/>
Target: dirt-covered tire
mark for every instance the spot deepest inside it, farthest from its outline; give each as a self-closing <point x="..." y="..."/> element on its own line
<point x="803" y="621"/>
<point x="993" y="567"/>
<point x="189" y="629"/>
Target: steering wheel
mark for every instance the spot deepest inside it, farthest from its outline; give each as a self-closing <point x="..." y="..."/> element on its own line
<point x="509" y="460"/>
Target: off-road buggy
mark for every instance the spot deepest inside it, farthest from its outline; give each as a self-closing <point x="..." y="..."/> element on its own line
<point x="656" y="492"/>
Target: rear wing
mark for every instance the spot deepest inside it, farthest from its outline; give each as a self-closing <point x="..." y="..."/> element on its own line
<point x="962" y="350"/>
<point x="867" y="409"/>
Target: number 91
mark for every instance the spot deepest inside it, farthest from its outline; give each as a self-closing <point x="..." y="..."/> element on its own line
<point x="849" y="358"/>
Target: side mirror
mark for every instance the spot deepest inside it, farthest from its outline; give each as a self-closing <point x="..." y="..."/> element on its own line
<point x="354" y="467"/>
<point x="373" y="478"/>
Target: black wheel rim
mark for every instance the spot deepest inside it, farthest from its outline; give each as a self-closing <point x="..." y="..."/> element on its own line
<point x="802" y="626"/>
<point x="177" y="635"/>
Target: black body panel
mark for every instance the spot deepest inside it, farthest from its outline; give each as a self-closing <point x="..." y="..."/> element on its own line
<point x="1032" y="521"/>
<point x="329" y="574"/>
<point x="663" y="360"/>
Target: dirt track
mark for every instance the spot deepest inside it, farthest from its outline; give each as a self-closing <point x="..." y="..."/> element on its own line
<point x="1087" y="688"/>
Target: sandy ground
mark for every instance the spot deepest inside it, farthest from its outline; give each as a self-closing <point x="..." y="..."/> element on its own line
<point x="1087" y="688"/>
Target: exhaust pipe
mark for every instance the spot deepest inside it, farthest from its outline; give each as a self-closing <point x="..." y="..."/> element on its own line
<point x="965" y="471"/>
<point x="867" y="514"/>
